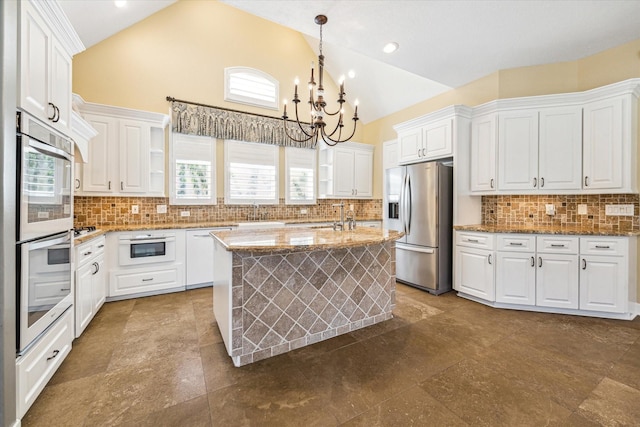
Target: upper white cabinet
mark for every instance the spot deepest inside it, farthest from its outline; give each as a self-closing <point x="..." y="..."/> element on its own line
<point x="127" y="156"/>
<point x="389" y="154"/>
<point x="345" y="171"/>
<point x="47" y="43"/>
<point x="429" y="137"/>
<point x="584" y="142"/>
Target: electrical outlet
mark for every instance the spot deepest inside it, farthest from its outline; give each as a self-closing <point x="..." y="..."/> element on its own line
<point x="185" y="213"/>
<point x="550" y="209"/>
<point x="303" y="211"/>
<point x="162" y="209"/>
<point x="134" y="209"/>
<point x="618" y="210"/>
<point x="582" y="209"/>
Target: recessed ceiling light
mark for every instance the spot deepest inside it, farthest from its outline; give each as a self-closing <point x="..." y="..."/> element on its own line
<point x="120" y="3"/>
<point x="390" y="47"/>
<point x="351" y="74"/>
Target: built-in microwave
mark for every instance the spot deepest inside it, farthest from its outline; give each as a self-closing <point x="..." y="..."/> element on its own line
<point x="44" y="285"/>
<point x="147" y="248"/>
<point x="44" y="179"/>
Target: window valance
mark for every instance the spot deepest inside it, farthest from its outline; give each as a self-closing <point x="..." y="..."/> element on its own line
<point x="205" y="120"/>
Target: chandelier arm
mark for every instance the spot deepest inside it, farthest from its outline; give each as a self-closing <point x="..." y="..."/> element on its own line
<point x="336" y="141"/>
<point x="309" y="135"/>
<point x="284" y="121"/>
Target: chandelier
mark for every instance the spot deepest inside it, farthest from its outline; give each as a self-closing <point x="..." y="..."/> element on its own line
<point x="317" y="129"/>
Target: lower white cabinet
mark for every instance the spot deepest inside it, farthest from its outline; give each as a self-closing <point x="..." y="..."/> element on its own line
<point x="474" y="273"/>
<point x="198" y="257"/>
<point x="557" y="281"/>
<point x="91" y="282"/>
<point x="516" y="278"/>
<point x="145" y="280"/>
<point x="35" y="368"/>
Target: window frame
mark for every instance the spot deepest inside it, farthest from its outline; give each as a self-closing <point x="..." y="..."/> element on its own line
<point x="289" y="157"/>
<point x="192" y="139"/>
<point x="230" y="72"/>
<point x="263" y="151"/>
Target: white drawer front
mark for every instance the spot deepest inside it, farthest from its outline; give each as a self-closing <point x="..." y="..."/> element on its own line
<point x="132" y="283"/>
<point x="475" y="240"/>
<point x="37" y="366"/>
<point x="614" y="246"/>
<point x="99" y="245"/>
<point x="557" y="244"/>
<point x="516" y="242"/>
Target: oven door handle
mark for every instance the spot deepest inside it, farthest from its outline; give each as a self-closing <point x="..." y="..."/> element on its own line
<point x="143" y="238"/>
<point x="48" y="150"/>
<point x="51" y="241"/>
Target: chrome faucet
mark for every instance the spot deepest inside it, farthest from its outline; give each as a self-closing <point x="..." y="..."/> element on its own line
<point x="351" y="219"/>
<point x="339" y="225"/>
<point x="255" y="211"/>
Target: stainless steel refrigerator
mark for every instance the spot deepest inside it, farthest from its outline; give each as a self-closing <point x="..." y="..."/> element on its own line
<point x="419" y="201"/>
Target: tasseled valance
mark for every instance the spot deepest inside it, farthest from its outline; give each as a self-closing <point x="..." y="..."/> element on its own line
<point x="204" y="120"/>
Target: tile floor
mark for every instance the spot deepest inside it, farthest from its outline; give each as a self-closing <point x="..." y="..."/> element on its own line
<point x="441" y="361"/>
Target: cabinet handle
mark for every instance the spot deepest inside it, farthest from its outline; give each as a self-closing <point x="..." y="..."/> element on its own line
<point x="491" y="184"/>
<point x="419" y="153"/>
<point x="586" y="181"/>
<point x="77" y="184"/>
<point x="356" y="190"/>
<point x="87" y="253"/>
<point x="65" y="289"/>
<point x="539" y="261"/>
<point x="109" y="185"/>
<point x="533" y="261"/>
<point x="55" y="353"/>
<point x="121" y="185"/>
<point x="97" y="266"/>
<point x="424" y="152"/>
<point x="147" y="280"/>
<point x="100" y="246"/>
<point x="56" y="118"/>
<point x="557" y="246"/>
<point x="472" y="240"/>
<point x="515" y="244"/>
<point x="535" y="182"/>
<point x="584" y="264"/>
<point x="54" y="111"/>
<point x="541" y="182"/>
<point x="603" y="247"/>
<point x="489" y="259"/>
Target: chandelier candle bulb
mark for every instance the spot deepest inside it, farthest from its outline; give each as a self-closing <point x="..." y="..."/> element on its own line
<point x="285" y="108"/>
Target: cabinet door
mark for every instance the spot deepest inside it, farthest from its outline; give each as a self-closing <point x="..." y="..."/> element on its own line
<point x="410" y="146"/>
<point x="343" y="169"/>
<point x="99" y="283"/>
<point x="61" y="86"/>
<point x="475" y="273"/>
<point x="363" y="173"/>
<point x="438" y="140"/>
<point x="35" y="45"/>
<point x="518" y="150"/>
<point x="84" y="300"/>
<point x="560" y="149"/>
<point x="516" y="278"/>
<point x="483" y="153"/>
<point x="557" y="281"/>
<point x="134" y="156"/>
<point x="603" y="144"/>
<point x="603" y="284"/>
<point x="390" y="155"/>
<point x="199" y="257"/>
<point x="97" y="173"/>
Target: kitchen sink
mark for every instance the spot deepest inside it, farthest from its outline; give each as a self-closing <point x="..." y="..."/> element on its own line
<point x="259" y="224"/>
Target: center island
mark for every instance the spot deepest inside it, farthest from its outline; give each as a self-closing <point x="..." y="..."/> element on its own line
<point x="279" y="289"/>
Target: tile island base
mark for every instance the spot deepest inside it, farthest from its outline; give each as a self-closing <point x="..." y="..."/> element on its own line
<point x="274" y="299"/>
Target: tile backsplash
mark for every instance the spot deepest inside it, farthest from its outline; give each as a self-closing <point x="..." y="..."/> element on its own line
<point x="530" y="210"/>
<point x="102" y="211"/>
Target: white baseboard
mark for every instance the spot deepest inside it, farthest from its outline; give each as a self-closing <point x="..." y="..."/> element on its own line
<point x="17" y="423"/>
<point x="637" y="308"/>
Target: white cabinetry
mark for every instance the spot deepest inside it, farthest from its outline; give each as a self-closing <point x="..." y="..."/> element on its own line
<point x="91" y="283"/>
<point x="345" y="171"/>
<point x="127" y="155"/>
<point x="516" y="269"/>
<point x="389" y="154"/>
<point x="199" y="256"/>
<point x="36" y="367"/>
<point x="604" y="274"/>
<point x="518" y="150"/>
<point x="484" y="153"/>
<point x="422" y="139"/>
<point x="47" y="43"/>
<point x="474" y="265"/>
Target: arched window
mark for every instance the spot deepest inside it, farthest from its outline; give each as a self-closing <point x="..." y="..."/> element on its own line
<point x="250" y="86"/>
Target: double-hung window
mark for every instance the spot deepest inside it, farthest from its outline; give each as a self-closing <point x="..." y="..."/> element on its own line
<point x="300" y="175"/>
<point x="251" y="173"/>
<point x="193" y="174"/>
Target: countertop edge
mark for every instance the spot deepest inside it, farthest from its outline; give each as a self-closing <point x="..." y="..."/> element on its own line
<point x="571" y="231"/>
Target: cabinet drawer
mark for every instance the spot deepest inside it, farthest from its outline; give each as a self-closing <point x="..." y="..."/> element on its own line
<point x="475" y="240"/>
<point x="516" y="242"/>
<point x="128" y="283"/>
<point x="88" y="250"/>
<point x="557" y="244"/>
<point x="604" y="246"/>
<point x="37" y="366"/>
<point x="99" y="245"/>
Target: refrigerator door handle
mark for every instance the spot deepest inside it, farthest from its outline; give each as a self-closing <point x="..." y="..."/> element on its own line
<point x="409" y="207"/>
<point x="403" y="205"/>
<point x="414" y="248"/>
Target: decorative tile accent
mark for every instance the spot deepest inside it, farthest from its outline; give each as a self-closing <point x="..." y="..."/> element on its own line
<point x="102" y="211"/>
<point x="317" y="299"/>
<point x="529" y="211"/>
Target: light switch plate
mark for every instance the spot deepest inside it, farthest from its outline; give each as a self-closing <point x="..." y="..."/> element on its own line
<point x="161" y="208"/>
<point x="550" y="209"/>
<point x="185" y="213"/>
<point x="134" y="209"/>
<point x="618" y="210"/>
<point x="582" y="209"/>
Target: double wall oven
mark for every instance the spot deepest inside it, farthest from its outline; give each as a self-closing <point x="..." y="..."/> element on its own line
<point x="44" y="229"/>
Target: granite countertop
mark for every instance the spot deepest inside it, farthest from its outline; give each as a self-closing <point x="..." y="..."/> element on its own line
<point x="301" y="239"/>
<point x="546" y="229"/>
<point x="78" y="240"/>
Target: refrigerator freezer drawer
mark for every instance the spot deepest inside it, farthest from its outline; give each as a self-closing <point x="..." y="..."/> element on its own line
<point x="419" y="266"/>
